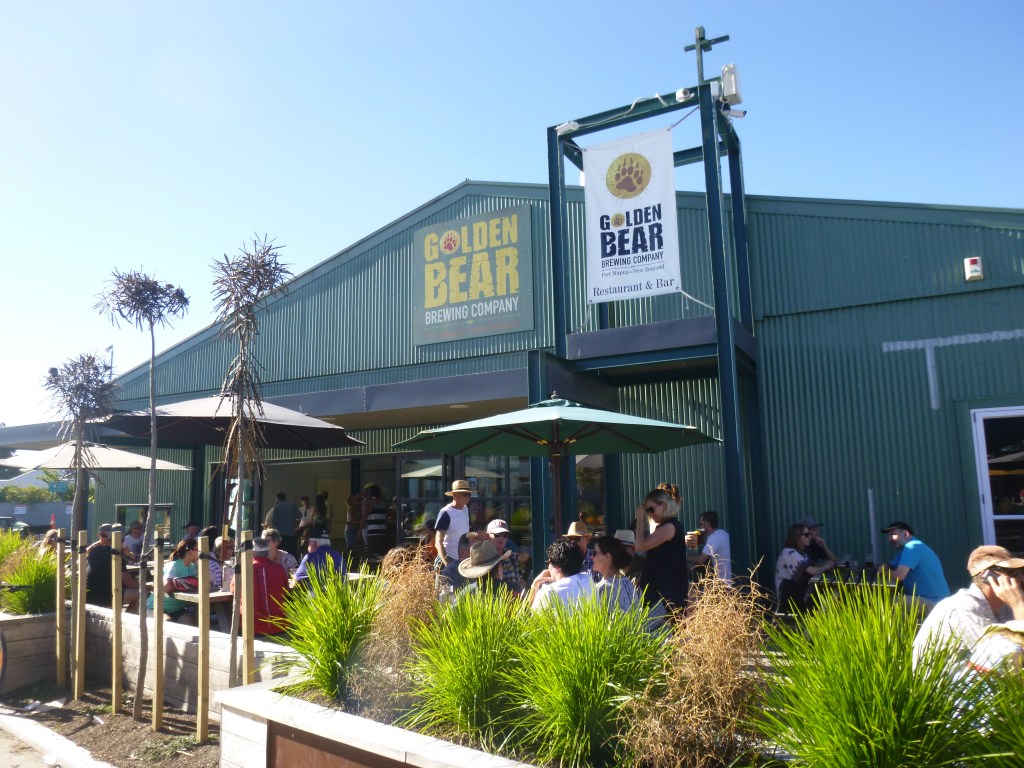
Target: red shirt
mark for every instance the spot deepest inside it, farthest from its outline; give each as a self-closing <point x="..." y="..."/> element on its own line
<point x="270" y="582"/>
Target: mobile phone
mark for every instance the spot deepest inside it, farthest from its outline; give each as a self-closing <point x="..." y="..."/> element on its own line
<point x="990" y="577"/>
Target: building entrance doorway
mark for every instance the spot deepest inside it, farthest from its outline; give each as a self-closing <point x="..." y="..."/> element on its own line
<point x="999" y="457"/>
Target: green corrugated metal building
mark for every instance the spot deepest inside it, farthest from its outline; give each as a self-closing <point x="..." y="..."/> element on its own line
<point x="877" y="375"/>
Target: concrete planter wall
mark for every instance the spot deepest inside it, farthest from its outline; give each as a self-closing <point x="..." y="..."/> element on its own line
<point x="261" y="727"/>
<point x="31" y="649"/>
<point x="181" y="652"/>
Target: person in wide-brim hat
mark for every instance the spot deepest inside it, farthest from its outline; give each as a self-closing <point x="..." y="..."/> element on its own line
<point x="459" y="486"/>
<point x="483" y="557"/>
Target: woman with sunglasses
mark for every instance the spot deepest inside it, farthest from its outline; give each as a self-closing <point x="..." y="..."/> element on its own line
<point x="793" y="570"/>
<point x="611" y="560"/>
<point x="664" y="578"/>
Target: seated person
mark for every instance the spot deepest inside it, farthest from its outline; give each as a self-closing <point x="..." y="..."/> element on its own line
<point x="278" y="555"/>
<point x="317" y="554"/>
<point x="793" y="570"/>
<point x="611" y="561"/>
<point x="180" y="575"/>
<point x="562" y="580"/>
<point x="916" y="567"/>
<point x="222" y="567"/>
<point x="99" y="573"/>
<point x="481" y="566"/>
<point x="499" y="533"/>
<point x="131" y="547"/>
<point x="269" y="585"/>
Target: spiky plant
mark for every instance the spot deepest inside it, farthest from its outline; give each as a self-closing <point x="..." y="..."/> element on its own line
<point x="146" y="303"/>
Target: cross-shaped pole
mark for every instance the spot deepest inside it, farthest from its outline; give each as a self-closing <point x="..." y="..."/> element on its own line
<point x="701" y="46"/>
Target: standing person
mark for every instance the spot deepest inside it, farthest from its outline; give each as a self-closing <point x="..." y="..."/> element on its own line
<point x="994" y="596"/>
<point x="190" y="530"/>
<point x="818" y="551"/>
<point x="915" y="566"/>
<point x="452" y="521"/>
<point x="716" y="553"/>
<point x="611" y="561"/>
<point x="793" y="570"/>
<point x="318" y="553"/>
<point x="353" y="519"/>
<point x="285" y="517"/>
<point x="305" y="521"/>
<point x="665" y="575"/>
<point x="270" y="584"/>
<point x="375" y="521"/>
<point x="451" y="573"/>
<point x="561" y="581"/>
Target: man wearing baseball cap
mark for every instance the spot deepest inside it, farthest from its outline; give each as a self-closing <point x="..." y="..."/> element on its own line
<point x="994" y="596"/>
<point x="915" y="566"/>
<point x="508" y="573"/>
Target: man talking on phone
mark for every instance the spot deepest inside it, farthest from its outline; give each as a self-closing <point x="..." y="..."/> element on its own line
<point x="994" y="596"/>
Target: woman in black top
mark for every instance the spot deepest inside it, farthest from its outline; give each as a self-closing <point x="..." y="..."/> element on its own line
<point x="664" y="577"/>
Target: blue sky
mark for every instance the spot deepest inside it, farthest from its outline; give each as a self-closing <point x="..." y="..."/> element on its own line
<point x="162" y="135"/>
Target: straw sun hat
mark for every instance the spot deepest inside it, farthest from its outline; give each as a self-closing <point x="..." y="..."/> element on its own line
<point x="482" y="557"/>
<point x="459" y="486"/>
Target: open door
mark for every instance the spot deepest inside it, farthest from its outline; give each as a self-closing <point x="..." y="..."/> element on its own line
<point x="999" y="456"/>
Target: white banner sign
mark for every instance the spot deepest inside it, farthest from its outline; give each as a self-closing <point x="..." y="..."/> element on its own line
<point x="632" y="238"/>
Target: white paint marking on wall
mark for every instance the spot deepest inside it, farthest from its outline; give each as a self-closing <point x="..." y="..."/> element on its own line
<point x="929" y="345"/>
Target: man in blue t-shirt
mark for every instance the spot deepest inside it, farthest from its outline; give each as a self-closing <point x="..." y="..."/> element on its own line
<point x="916" y="567"/>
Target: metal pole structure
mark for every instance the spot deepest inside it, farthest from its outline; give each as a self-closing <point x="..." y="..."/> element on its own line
<point x="728" y="379"/>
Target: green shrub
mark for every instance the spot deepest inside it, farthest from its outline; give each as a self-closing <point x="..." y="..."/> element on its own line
<point x="327" y="627"/>
<point x="577" y="670"/>
<point x="37" y="574"/>
<point x="1005" y="731"/>
<point x="844" y="694"/>
<point x="459" y="666"/>
<point x="10" y="542"/>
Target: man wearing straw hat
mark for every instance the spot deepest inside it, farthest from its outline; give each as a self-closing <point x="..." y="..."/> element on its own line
<point x="452" y="521"/>
<point x="995" y="595"/>
<point x="481" y="566"/>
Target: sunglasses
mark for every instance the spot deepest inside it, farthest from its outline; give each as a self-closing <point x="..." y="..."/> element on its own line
<point x="650" y="510"/>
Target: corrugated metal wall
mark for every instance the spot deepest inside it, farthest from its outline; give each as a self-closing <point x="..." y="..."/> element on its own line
<point x="835" y="281"/>
<point x="131" y="487"/>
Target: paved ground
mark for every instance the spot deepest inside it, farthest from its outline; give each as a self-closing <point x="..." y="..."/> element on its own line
<point x="15" y="754"/>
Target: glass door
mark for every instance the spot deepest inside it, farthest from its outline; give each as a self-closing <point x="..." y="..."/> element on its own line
<point x="999" y="452"/>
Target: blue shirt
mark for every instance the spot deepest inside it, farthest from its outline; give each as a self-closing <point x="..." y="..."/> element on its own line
<point x="316" y="561"/>
<point x="926" y="576"/>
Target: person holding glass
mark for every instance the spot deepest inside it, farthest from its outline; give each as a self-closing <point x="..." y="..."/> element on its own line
<point x="793" y="570"/>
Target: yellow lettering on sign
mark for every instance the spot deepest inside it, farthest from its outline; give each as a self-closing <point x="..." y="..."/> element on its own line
<point x="510" y="230"/>
<point x="508" y="270"/>
<point x="481" y="279"/>
<point x="456" y="278"/>
<point x="430" y="247"/>
<point x="436" y="289"/>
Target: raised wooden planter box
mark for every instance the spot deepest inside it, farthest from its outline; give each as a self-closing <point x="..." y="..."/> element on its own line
<point x="181" y="653"/>
<point x="31" y="649"/>
<point x="262" y="727"/>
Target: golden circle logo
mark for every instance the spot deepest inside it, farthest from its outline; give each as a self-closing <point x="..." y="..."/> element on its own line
<point x="450" y="242"/>
<point x="628" y="175"/>
<point x="618" y="220"/>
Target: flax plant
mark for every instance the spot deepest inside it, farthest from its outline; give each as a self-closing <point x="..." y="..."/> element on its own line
<point x="843" y="692"/>
<point x="10" y="542"/>
<point x="327" y="626"/>
<point x="460" y="668"/>
<point x="577" y="670"/>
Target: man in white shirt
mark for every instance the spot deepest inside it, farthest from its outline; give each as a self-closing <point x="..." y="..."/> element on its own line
<point x="562" y="580"/>
<point x="452" y="521"/>
<point x="716" y="547"/>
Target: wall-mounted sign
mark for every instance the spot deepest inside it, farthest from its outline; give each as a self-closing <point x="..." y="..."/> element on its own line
<point x="20" y="510"/>
<point x="473" y="277"/>
<point x="632" y="236"/>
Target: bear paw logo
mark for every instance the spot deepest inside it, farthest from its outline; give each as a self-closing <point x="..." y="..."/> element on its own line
<point x="450" y="241"/>
<point x="628" y="175"/>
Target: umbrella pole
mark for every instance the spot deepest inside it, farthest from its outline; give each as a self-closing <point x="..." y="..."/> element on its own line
<point x="556" y="468"/>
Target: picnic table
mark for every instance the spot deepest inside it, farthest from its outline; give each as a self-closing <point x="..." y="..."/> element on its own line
<point x="220" y="601"/>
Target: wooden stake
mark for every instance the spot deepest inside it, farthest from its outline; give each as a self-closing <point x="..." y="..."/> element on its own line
<point x="157" y="652"/>
<point x="79" y="608"/>
<point x="203" y="699"/>
<point x="62" y="613"/>
<point x="116" y="660"/>
<point x="248" y="618"/>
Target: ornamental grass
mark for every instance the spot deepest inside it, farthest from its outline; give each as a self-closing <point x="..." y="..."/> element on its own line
<point x="380" y="688"/>
<point x="693" y="714"/>
<point x="328" y="625"/>
<point x="36" y="575"/>
<point x="843" y="692"/>
<point x="10" y="542"/>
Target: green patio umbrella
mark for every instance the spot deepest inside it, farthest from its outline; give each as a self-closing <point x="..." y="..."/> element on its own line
<point x="556" y="428"/>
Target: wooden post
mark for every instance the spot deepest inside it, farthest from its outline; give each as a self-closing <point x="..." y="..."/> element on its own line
<point x="116" y="660"/>
<point x="203" y="698"/>
<point x="248" y="620"/>
<point x="157" y="653"/>
<point x="62" y="613"/>
<point x="79" y="609"/>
